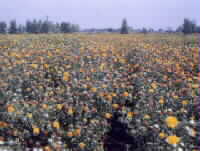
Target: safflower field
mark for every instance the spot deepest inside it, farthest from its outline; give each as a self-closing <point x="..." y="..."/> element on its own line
<point x="61" y="92"/>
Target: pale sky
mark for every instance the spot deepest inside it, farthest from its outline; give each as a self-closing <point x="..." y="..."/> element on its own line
<point x="104" y="13"/>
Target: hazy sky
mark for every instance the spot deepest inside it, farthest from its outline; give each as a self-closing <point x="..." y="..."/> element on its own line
<point x="104" y="13"/>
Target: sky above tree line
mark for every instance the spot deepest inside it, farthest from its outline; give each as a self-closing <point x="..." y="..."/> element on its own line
<point x="103" y="13"/>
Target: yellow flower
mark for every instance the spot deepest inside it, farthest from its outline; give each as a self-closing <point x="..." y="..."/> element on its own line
<point x="162" y="135"/>
<point x="154" y="85"/>
<point x="45" y="106"/>
<point x="46" y="65"/>
<point x="70" y="111"/>
<point x="29" y="115"/>
<point x="104" y="86"/>
<point x="102" y="66"/>
<point x="58" y="50"/>
<point x="151" y="90"/>
<point x="77" y="132"/>
<point x="82" y="145"/>
<point x="172" y="122"/>
<point x="130" y="114"/>
<point x="173" y="139"/>
<point x="36" y="130"/>
<point x="11" y="108"/>
<point x="109" y="97"/>
<point x="56" y="124"/>
<point x="59" y="106"/>
<point x="175" y="97"/>
<point x="114" y="94"/>
<point x="161" y="101"/>
<point x="34" y="66"/>
<point x="146" y="116"/>
<point x="185" y="102"/>
<point x="85" y="108"/>
<point x="47" y="148"/>
<point x="66" y="76"/>
<point x="115" y="106"/>
<point x="108" y="115"/>
<point x="94" y="90"/>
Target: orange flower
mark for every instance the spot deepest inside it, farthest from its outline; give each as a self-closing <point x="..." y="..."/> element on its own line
<point x="47" y="148"/>
<point x="36" y="130"/>
<point x="115" y="106"/>
<point x="130" y="114"/>
<point x="172" y="121"/>
<point x="11" y="108"/>
<point x="70" y="111"/>
<point x="3" y="124"/>
<point x="108" y="115"/>
<point x="44" y="106"/>
<point x="82" y="145"/>
<point x="125" y="94"/>
<point x="77" y="132"/>
<point x="66" y="76"/>
<point x="56" y="124"/>
<point x="109" y="97"/>
<point x="173" y="139"/>
<point x="199" y="76"/>
<point x="94" y="90"/>
<point x="161" y="101"/>
<point x="69" y="134"/>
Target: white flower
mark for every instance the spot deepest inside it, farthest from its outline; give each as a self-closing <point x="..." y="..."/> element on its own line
<point x="190" y="131"/>
<point x="1" y="142"/>
<point x="192" y="122"/>
<point x="156" y="126"/>
<point x="180" y="149"/>
<point x="35" y="149"/>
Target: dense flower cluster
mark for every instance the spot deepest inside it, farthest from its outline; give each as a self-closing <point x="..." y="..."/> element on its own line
<point x="58" y="92"/>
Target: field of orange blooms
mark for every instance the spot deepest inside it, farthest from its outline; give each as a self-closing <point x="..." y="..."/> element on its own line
<point x="61" y="92"/>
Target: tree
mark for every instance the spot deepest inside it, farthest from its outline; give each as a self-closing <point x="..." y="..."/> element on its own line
<point x="3" y="27"/>
<point x="179" y="29"/>
<point x="13" y="27"/>
<point x="188" y="26"/>
<point x="144" y="30"/>
<point x="65" y="27"/>
<point x="21" y="29"/>
<point x="198" y="29"/>
<point x="45" y="27"/>
<point x="75" y="28"/>
<point x="124" y="27"/>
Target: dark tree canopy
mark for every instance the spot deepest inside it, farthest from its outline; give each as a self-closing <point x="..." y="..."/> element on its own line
<point x="189" y="26"/>
<point x="3" y="27"/>
<point x="13" y="27"/>
<point x="124" y="27"/>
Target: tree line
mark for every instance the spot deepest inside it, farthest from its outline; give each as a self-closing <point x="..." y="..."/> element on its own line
<point x="37" y="26"/>
<point x="188" y="27"/>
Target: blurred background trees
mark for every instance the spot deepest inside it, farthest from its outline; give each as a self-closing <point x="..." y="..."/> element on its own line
<point x="45" y="26"/>
<point x="124" y="27"/>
